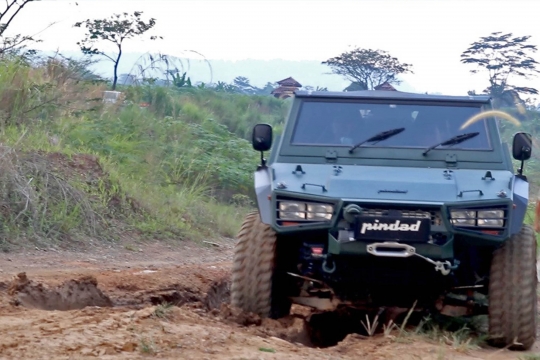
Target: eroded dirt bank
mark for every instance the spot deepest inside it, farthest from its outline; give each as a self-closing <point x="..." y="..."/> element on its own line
<point x="109" y="304"/>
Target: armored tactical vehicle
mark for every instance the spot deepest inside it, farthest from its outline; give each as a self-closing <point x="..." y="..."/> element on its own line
<point x="385" y="198"/>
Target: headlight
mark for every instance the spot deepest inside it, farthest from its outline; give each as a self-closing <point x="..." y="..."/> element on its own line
<point x="491" y="218"/>
<point x="319" y="211"/>
<point x="463" y="217"/>
<point x="478" y="218"/>
<point x="293" y="210"/>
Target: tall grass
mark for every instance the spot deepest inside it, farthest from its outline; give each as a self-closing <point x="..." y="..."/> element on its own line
<point x="180" y="168"/>
<point x="238" y="113"/>
<point x="32" y="93"/>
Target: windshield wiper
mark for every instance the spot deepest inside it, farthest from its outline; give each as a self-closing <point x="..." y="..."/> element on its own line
<point x="378" y="137"/>
<point x="452" y="141"/>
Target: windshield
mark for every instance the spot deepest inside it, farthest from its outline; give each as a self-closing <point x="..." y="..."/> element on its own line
<point x="348" y="123"/>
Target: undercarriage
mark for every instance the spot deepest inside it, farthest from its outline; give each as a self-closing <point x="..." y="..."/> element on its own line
<point x="328" y="282"/>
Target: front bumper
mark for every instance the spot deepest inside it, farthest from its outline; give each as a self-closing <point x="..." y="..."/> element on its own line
<point x="442" y="231"/>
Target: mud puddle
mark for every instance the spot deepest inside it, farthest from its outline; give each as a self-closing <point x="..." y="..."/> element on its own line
<point x="82" y="292"/>
<point x="70" y="295"/>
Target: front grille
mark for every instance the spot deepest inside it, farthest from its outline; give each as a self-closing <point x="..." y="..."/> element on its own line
<point x="434" y="215"/>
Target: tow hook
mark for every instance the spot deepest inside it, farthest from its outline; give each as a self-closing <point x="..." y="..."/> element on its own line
<point x="394" y="249"/>
<point x="445" y="267"/>
<point x="328" y="265"/>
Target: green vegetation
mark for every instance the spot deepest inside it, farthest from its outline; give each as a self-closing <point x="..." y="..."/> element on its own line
<point x="530" y="122"/>
<point x="74" y="168"/>
<point x="163" y="311"/>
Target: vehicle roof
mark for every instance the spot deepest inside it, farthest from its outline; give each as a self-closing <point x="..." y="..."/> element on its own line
<point x="391" y="95"/>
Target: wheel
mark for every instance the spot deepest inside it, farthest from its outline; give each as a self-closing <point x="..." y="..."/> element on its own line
<point x="255" y="283"/>
<point x="512" y="292"/>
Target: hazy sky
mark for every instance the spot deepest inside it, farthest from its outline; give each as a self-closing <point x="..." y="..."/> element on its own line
<point x="430" y="34"/>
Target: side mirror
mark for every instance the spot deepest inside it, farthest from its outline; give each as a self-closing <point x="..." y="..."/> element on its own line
<point x="522" y="146"/>
<point x="261" y="138"/>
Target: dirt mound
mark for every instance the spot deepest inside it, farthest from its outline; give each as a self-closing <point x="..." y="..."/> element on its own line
<point x="72" y="294"/>
<point x="174" y="297"/>
<point x="63" y="200"/>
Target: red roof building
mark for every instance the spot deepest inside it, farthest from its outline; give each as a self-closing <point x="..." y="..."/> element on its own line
<point x="385" y="87"/>
<point x="286" y="88"/>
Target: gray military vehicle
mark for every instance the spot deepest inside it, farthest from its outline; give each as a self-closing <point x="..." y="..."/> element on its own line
<point x="382" y="198"/>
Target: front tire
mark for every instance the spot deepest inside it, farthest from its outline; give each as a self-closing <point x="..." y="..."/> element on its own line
<point x="512" y="292"/>
<point x="253" y="275"/>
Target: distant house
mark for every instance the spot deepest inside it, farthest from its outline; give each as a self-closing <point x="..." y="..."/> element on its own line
<point x="356" y="86"/>
<point x="286" y="88"/>
<point x="360" y="86"/>
<point x="385" y="87"/>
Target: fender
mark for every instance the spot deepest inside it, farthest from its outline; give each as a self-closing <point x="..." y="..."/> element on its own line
<point x="521" y="199"/>
<point x="263" y="191"/>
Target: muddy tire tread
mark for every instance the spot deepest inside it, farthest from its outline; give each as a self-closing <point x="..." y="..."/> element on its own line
<point x="253" y="267"/>
<point x="512" y="292"/>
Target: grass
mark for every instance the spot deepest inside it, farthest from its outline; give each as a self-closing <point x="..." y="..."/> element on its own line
<point x="180" y="169"/>
<point x="130" y="247"/>
<point x="147" y="346"/>
<point x="530" y="357"/>
<point x="163" y="311"/>
<point x="238" y="113"/>
<point x="446" y="332"/>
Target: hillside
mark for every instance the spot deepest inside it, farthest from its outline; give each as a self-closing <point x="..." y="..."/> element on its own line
<point x="76" y="169"/>
<point x="179" y="167"/>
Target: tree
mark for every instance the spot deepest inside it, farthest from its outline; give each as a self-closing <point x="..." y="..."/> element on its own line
<point x="268" y="88"/>
<point x="180" y="80"/>
<point x="115" y="29"/>
<point x="224" y="87"/>
<point x="503" y="56"/>
<point x="316" y="88"/>
<point x="243" y="85"/>
<point x="8" y="13"/>
<point x="369" y="67"/>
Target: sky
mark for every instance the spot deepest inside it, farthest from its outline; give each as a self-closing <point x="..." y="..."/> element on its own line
<point x="429" y="34"/>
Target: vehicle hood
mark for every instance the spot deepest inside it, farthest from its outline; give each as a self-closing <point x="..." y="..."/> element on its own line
<point x="392" y="183"/>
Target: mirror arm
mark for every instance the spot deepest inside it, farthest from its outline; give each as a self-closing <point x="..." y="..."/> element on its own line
<point x="520" y="170"/>
<point x="263" y="162"/>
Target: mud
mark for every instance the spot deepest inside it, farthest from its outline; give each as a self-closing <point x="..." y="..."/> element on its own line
<point x="174" y="304"/>
<point x="219" y="293"/>
<point x="72" y="294"/>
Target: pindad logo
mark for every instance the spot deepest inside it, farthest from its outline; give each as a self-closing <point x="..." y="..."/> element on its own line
<point x="396" y="226"/>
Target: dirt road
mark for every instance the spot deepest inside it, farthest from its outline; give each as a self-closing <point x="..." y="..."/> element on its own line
<point x="107" y="303"/>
